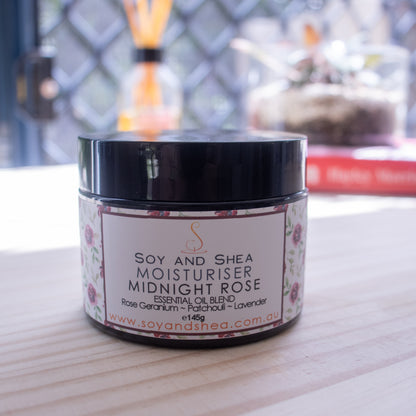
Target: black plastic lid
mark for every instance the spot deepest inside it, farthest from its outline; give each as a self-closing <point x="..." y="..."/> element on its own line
<point x="192" y="166"/>
<point x="148" y="55"/>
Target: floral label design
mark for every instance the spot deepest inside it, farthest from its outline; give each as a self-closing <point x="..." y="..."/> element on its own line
<point x="205" y="290"/>
<point x="91" y="258"/>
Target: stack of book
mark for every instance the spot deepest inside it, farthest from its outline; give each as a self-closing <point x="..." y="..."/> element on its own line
<point x="365" y="170"/>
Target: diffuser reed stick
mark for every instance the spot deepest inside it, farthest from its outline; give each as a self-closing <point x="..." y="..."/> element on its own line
<point x="147" y="21"/>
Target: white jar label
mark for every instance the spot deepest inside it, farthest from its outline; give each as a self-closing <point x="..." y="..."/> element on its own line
<point x="189" y="275"/>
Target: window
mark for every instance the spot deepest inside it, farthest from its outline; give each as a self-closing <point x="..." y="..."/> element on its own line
<point x="93" y="51"/>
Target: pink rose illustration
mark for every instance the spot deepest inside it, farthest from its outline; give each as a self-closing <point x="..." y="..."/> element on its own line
<point x="158" y="213"/>
<point x="102" y="209"/>
<point x="109" y="324"/>
<point x="229" y="213"/>
<point x="294" y="292"/>
<point x="226" y="335"/>
<point x="297" y="234"/>
<point x="280" y="208"/>
<point x="162" y="336"/>
<point x="89" y="236"/>
<point x="92" y="294"/>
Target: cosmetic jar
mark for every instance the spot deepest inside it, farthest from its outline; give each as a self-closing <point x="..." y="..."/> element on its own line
<point x="193" y="238"/>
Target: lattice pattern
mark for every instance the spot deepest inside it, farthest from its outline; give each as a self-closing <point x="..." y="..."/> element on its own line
<point x="94" y="50"/>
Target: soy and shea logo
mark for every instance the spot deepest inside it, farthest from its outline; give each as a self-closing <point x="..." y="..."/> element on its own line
<point x="194" y="245"/>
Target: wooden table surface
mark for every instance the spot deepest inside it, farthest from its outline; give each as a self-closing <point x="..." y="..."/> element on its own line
<point x="353" y="352"/>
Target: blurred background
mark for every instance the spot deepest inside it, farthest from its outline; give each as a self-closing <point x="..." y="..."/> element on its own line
<point x="87" y="49"/>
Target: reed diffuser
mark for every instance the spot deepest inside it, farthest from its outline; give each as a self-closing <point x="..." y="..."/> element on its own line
<point x="151" y="95"/>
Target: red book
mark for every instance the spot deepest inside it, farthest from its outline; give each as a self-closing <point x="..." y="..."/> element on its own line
<point x="365" y="170"/>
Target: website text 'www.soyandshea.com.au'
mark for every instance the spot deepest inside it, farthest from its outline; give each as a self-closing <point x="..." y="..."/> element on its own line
<point x="192" y="323"/>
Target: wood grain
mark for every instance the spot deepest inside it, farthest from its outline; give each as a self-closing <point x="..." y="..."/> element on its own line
<point x="352" y="352"/>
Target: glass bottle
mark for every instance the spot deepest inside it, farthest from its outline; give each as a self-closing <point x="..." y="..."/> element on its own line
<point x="151" y="95"/>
